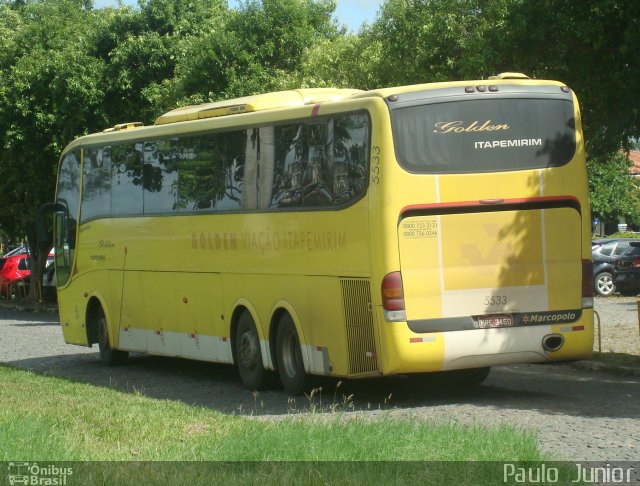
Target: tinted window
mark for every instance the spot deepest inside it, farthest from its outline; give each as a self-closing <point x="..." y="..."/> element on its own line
<point x="23" y="264"/>
<point x="68" y="193"/>
<point x="195" y="188"/>
<point x="632" y="250"/>
<point x="234" y="158"/>
<point x="621" y="248"/>
<point x="608" y="248"/>
<point x="65" y="222"/>
<point x="126" y="179"/>
<point x="319" y="164"/>
<point x="486" y="135"/>
<point x="299" y="165"/>
<point x="160" y="176"/>
<point x="96" y="185"/>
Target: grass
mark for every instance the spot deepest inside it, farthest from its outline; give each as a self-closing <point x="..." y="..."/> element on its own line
<point x="44" y="418"/>
<point x="49" y="418"/>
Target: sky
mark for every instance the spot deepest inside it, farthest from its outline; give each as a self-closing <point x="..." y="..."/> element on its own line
<point x="352" y="13"/>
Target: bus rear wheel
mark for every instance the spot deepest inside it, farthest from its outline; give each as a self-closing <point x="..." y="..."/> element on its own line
<point x="108" y="355"/>
<point x="248" y="354"/>
<point x="293" y="377"/>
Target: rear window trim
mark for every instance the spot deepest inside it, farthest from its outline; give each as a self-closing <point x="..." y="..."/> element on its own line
<point x="457" y="94"/>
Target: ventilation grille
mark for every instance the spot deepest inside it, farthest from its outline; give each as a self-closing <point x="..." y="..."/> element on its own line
<point x="358" y="317"/>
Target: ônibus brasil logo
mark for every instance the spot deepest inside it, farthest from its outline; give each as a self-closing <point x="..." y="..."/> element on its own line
<point x="28" y="473"/>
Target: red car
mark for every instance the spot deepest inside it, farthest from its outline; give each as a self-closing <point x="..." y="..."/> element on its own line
<point x="15" y="272"/>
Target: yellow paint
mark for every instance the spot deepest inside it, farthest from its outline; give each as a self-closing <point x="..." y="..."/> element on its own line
<point x="492" y="250"/>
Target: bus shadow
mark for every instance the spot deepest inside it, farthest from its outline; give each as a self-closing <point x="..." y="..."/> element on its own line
<point x="555" y="390"/>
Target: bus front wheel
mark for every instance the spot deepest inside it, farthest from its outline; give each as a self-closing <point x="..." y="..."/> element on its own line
<point x="248" y="354"/>
<point x="289" y="357"/>
<point x="108" y="355"/>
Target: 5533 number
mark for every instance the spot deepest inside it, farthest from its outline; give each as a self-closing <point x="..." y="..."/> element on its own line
<point x="495" y="300"/>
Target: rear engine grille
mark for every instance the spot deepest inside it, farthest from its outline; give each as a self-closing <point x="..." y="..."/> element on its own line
<point x="358" y="317"/>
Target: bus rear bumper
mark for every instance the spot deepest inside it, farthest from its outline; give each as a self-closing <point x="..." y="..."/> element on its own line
<point x="405" y="351"/>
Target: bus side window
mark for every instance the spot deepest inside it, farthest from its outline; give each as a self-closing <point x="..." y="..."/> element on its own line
<point x="315" y="165"/>
<point x="160" y="176"/>
<point x="126" y="179"/>
<point x="96" y="183"/>
<point x="350" y="149"/>
<point x="290" y="160"/>
<point x="197" y="188"/>
<point x="318" y="170"/>
<point x="235" y="155"/>
<point x="68" y="196"/>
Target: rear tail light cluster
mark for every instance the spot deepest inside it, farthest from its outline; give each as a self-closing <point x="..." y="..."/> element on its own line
<point x="393" y="297"/>
<point x="587" y="284"/>
<point x="635" y="264"/>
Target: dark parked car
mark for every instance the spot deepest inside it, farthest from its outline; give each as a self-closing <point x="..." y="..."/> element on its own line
<point x="627" y="271"/>
<point x="604" y="251"/>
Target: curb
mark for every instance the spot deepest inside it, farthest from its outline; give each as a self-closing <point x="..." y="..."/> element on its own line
<point x="45" y="308"/>
<point x="600" y="366"/>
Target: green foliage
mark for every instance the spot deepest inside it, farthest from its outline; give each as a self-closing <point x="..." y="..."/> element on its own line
<point x="592" y="46"/>
<point x="624" y="234"/>
<point x="51" y="92"/>
<point x="614" y="194"/>
<point x="255" y="49"/>
<point x="67" y="69"/>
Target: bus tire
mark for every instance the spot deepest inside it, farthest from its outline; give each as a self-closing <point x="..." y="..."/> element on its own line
<point x="291" y="370"/>
<point x="108" y="355"/>
<point x="469" y="377"/>
<point x="248" y="354"/>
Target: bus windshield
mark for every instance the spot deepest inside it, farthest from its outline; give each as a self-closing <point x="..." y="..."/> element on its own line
<point x="484" y="135"/>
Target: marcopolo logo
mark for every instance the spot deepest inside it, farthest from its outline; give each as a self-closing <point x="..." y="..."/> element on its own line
<point x="551" y="317"/>
<point x="38" y="475"/>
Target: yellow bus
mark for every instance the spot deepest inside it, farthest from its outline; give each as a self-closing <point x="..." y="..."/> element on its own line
<point x="416" y="229"/>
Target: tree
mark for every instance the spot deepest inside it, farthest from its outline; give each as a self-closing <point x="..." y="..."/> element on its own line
<point x="590" y="45"/>
<point x="51" y="92"/>
<point x="614" y="193"/>
<point x="255" y="49"/>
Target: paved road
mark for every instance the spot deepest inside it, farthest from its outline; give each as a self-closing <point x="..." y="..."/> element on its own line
<point x="578" y="415"/>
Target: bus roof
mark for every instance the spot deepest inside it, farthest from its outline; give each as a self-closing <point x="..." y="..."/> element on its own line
<point x="268" y="101"/>
<point x="294" y="98"/>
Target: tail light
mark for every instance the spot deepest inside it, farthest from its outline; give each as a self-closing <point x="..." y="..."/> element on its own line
<point x="587" y="284"/>
<point x="635" y="264"/>
<point x="393" y="297"/>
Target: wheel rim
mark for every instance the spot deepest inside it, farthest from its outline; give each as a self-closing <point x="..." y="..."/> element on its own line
<point x="248" y="350"/>
<point x="290" y="354"/>
<point x="605" y="284"/>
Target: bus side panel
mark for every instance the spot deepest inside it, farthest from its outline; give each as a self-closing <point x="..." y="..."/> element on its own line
<point x="132" y="335"/>
<point x="258" y="294"/>
<point x="407" y="352"/>
<point x="199" y="309"/>
<point x="173" y="314"/>
<point x="325" y="327"/>
<point x="71" y="308"/>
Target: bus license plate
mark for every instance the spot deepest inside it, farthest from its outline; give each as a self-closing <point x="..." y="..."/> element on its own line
<point x="486" y="322"/>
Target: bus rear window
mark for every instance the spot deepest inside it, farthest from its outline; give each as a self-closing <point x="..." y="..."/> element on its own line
<point x="488" y="135"/>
